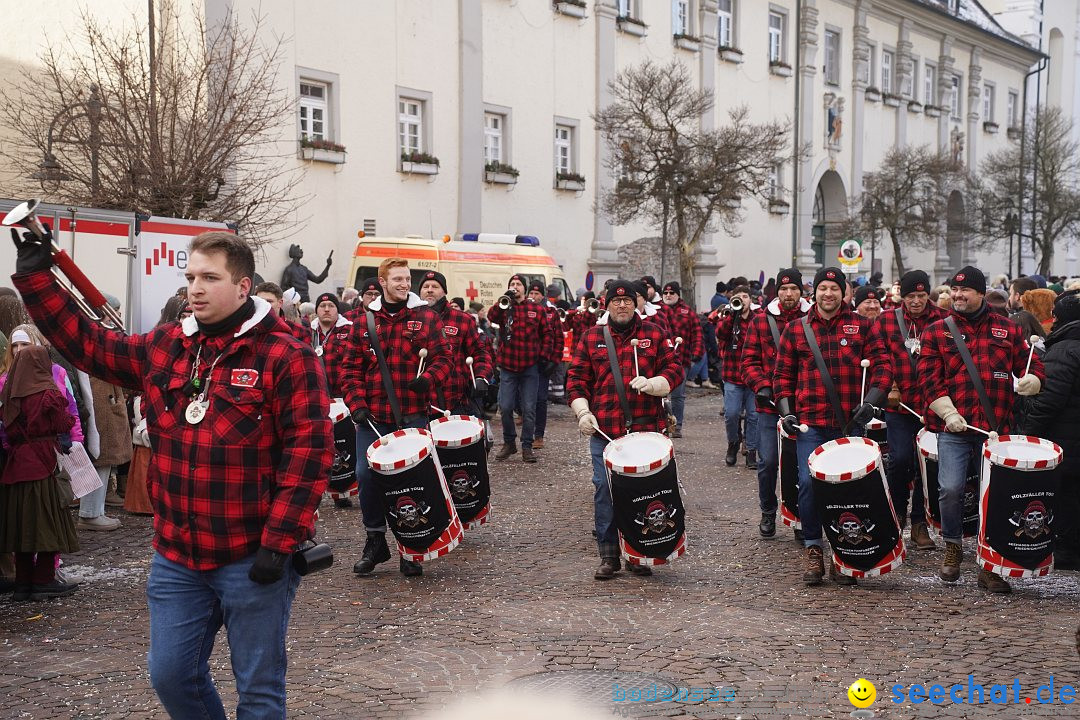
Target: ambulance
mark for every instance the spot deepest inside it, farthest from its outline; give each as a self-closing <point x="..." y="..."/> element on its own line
<point x="477" y="267"/>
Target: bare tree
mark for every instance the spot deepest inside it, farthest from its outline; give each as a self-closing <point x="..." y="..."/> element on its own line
<point x="1047" y="179"/>
<point x="671" y="172"/>
<point x="907" y="198"/>
<point x="187" y="129"/>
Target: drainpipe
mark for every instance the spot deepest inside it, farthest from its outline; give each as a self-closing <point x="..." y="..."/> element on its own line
<point x="1023" y="141"/>
<point x="795" y="155"/>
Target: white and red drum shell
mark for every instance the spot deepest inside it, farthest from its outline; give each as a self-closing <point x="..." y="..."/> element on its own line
<point x="638" y="454"/>
<point x="788" y="472"/>
<point x="403" y="450"/>
<point x="855" y="462"/>
<point x="876" y="430"/>
<point x="1027" y="454"/>
<point x="454" y="433"/>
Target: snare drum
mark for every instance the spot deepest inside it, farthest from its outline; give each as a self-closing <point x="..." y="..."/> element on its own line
<point x="926" y="442"/>
<point x="463" y="458"/>
<point x="876" y="431"/>
<point x="789" y="478"/>
<point x="415" y="497"/>
<point x="343" y="469"/>
<point x="1018" y="491"/>
<point x="856" y="511"/>
<point x="644" y="486"/>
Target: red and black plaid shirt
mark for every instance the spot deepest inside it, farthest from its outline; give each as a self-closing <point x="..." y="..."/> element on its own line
<point x="464" y="340"/>
<point x="253" y="471"/>
<point x="524" y="335"/>
<point x="333" y="344"/>
<point x="845" y="340"/>
<point x="578" y="321"/>
<point x="759" y="349"/>
<point x="590" y="377"/>
<point x="903" y="362"/>
<point x="554" y="333"/>
<point x="659" y="318"/>
<point x="401" y="336"/>
<point x="998" y="348"/>
<point x="731" y="334"/>
<point x="683" y="322"/>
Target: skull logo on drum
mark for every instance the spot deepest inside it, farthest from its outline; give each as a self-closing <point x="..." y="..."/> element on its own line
<point x="462" y="486"/>
<point x="1033" y="522"/>
<point x="656" y="519"/>
<point x="851" y="529"/>
<point x="410" y="513"/>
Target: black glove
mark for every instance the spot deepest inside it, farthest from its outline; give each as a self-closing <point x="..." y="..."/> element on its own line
<point x="764" y="397"/>
<point x="420" y="385"/>
<point x="361" y="417"/>
<point x="268" y="567"/>
<point x="511" y="293"/>
<point x="65" y="442"/>
<point x="863" y="414"/>
<point x="547" y="367"/>
<point x="33" y="255"/>
<point x="480" y="388"/>
<point x="788" y="419"/>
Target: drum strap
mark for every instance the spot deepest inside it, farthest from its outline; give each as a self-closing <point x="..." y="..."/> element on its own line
<point x="384" y="371"/>
<point x="774" y="330"/>
<point x="973" y="373"/>
<point x="616" y="375"/>
<point x="823" y="370"/>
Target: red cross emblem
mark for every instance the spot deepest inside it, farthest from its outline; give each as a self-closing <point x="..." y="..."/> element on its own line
<point x="472" y="292"/>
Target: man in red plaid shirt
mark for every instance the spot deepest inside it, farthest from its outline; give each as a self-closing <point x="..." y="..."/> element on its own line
<point x="758" y="361"/>
<point x="1000" y="352"/>
<point x="525" y="351"/>
<point x="554" y="334"/>
<point x="461" y="396"/>
<point x="682" y="322"/>
<point x="738" y="397"/>
<point x="590" y="385"/>
<point x="404" y="325"/>
<point x="845" y="340"/>
<point x="236" y="411"/>
<point x="329" y="335"/>
<point x="901" y="328"/>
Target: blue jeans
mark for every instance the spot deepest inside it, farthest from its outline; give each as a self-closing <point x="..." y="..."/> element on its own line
<point x="768" y="463"/>
<point x="542" y="386"/>
<point x="955" y="455"/>
<point x="518" y="389"/>
<point x="901" y="429"/>
<point x="805" y="444"/>
<point x="678" y="399"/>
<point x="736" y="399"/>
<point x="188" y="607"/>
<point x="700" y="370"/>
<point x="371" y="504"/>
<point x="607" y="536"/>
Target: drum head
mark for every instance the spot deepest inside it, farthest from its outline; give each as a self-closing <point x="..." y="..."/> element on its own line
<point x="338" y="410"/>
<point x="399" y="450"/>
<point x="638" y="453"/>
<point x="1023" y="452"/>
<point x="927" y="442"/>
<point x="456" y="430"/>
<point x="848" y="458"/>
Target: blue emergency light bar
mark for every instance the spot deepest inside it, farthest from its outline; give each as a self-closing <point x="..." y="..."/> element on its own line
<point x="504" y="239"/>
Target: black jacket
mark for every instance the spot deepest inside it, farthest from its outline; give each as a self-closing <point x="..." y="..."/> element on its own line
<point x="1055" y="412"/>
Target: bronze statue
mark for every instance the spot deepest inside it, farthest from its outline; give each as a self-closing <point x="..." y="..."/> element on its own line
<point x="296" y="275"/>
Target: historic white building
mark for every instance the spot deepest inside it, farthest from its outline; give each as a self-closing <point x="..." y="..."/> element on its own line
<point x="398" y="84"/>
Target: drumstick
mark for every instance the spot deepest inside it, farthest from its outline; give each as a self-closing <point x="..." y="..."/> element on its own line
<point x="637" y="371"/>
<point x="420" y="368"/>
<point x="864" y="363"/>
<point x="602" y="433"/>
<point x="677" y="341"/>
<point x="912" y="412"/>
<point x="469" y="362"/>
<point x="374" y="428"/>
<point x="988" y="433"/>
<point x="1032" y="340"/>
<point x="445" y="413"/>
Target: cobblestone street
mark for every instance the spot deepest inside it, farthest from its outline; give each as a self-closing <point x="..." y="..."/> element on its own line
<point x="518" y="598"/>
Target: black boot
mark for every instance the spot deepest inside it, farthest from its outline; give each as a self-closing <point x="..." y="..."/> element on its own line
<point x="751" y="459"/>
<point x="375" y="552"/>
<point x="411" y="569"/>
<point x="732" y="453"/>
<point x="767" y="526"/>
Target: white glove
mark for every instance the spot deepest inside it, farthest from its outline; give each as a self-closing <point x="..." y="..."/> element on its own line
<point x="1028" y="385"/>
<point x="586" y="421"/>
<point x="140" y="436"/>
<point x="657" y="386"/>
<point x="944" y="408"/>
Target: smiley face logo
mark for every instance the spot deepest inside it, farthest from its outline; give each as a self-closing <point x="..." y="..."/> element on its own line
<point x="861" y="694"/>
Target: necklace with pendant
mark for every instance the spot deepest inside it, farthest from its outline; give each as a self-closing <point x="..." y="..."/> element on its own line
<point x="200" y="403"/>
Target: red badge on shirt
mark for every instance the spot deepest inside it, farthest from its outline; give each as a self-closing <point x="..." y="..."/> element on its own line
<point x="851" y="329"/>
<point x="531" y="314"/>
<point x="645" y="344"/>
<point x="244" y="377"/>
<point x="999" y="333"/>
<point x="450" y="330"/>
<point x="414" y="325"/>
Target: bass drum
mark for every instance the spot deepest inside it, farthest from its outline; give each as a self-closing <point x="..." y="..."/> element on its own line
<point x="926" y="442"/>
<point x="463" y="458"/>
<point x="789" y="478"/>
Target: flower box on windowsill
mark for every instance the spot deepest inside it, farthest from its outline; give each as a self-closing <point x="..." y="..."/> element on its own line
<point x="873" y="94"/>
<point x="779" y="207"/>
<point x="891" y="100"/>
<point x="419" y="168"/>
<point x="687" y="42"/>
<point x="500" y="178"/>
<point x="631" y="26"/>
<point x="914" y="107"/>
<point x="334" y="157"/>
<point x="571" y="8"/>
<point x="932" y="111"/>
<point x="990" y="127"/>
<point x="731" y="55"/>
<point x="1014" y="133"/>
<point x="780" y="68"/>
<point x="571" y="185"/>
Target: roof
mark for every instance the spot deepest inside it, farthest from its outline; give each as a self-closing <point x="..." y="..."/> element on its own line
<point x="971" y="12"/>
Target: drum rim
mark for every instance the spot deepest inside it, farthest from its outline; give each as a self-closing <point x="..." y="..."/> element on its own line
<point x="996" y="459"/>
<point x="847" y="476"/>
<point x="925" y="453"/>
<point x="463" y="441"/>
<point x="639" y="469"/>
<point x="880" y="424"/>
<point x="405" y="462"/>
